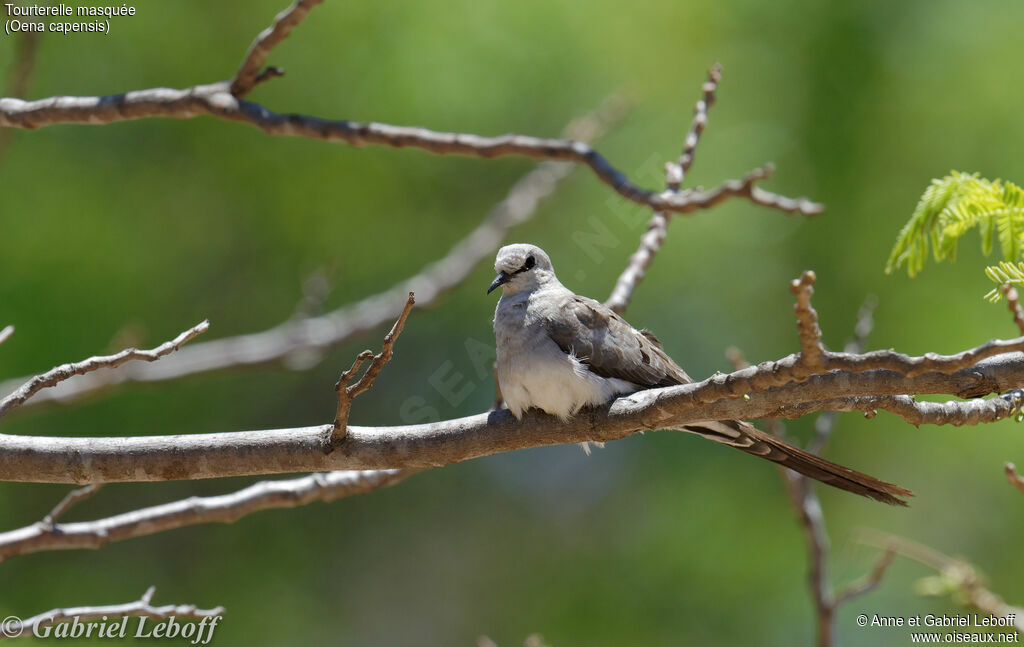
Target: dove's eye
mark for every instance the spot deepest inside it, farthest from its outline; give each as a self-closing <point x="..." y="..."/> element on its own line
<point x="530" y="262"/>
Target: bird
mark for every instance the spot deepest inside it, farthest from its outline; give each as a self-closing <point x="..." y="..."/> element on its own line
<point x="559" y="352"/>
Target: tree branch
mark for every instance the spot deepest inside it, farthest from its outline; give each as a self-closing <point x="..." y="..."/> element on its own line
<point x="697" y="126"/>
<point x="347" y="391"/>
<point x="1013" y="303"/>
<point x="801" y="491"/>
<point x="217" y="101"/>
<point x="159" y="458"/>
<point x="65" y="371"/>
<point x="1013" y="477"/>
<point x="72" y="497"/>
<point x="226" y="508"/>
<point x="954" y="412"/>
<point x="20" y="76"/>
<point x="249" y="75"/>
<point x="6" y="333"/>
<point x="140" y="608"/>
<point x="957" y="577"/>
<point x="657" y="228"/>
<point x="316" y="334"/>
<point x="870" y="581"/>
<point x="807" y="321"/>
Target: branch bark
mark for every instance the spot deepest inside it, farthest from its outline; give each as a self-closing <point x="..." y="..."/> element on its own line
<point x="1013" y="477"/>
<point x="958" y="577"/>
<point x="216" y="100"/>
<point x="142" y="607"/>
<point x="227" y="508"/>
<point x="251" y="72"/>
<point x="347" y="392"/>
<point x="193" y="456"/>
<point x="20" y="77"/>
<point x="316" y="334"/>
<point x="66" y="371"/>
<point x="657" y="228"/>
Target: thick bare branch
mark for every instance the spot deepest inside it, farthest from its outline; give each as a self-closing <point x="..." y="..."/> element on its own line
<point x="226" y="508"/>
<point x="53" y="459"/>
<point x="6" y="333"/>
<point x="953" y="412"/>
<point x="807" y="321"/>
<point x="1013" y="477"/>
<point x="251" y="72"/>
<point x="780" y="372"/>
<point x="801" y="492"/>
<point x="865" y="323"/>
<point x="65" y="371"/>
<point x="216" y="100"/>
<point x="307" y="336"/>
<point x="142" y="607"/>
<point x="347" y="391"/>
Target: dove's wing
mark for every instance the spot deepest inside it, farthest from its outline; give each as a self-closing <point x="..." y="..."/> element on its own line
<point x="611" y="347"/>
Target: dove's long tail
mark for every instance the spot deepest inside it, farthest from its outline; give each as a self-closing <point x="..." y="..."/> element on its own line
<point x="747" y="438"/>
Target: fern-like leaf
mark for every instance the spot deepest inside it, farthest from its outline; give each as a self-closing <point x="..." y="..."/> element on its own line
<point x="1004" y="273"/>
<point x="949" y="208"/>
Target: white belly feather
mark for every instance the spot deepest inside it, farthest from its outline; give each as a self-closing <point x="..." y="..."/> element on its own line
<point x="534" y="372"/>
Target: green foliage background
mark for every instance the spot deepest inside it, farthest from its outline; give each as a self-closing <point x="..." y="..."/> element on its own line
<point x="660" y="539"/>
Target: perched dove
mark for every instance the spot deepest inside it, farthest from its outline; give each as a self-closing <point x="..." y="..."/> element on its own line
<point x="558" y="352"/>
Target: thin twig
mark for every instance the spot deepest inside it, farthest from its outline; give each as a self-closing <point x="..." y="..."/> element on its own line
<point x="812" y="521"/>
<point x="1013" y="477"/>
<point x="870" y="582"/>
<point x="6" y="333"/>
<point x="249" y="75"/>
<point x="310" y="336"/>
<point x="958" y="577"/>
<point x="825" y="422"/>
<point x="801" y="492"/>
<point x="71" y="498"/>
<point x="347" y="391"/>
<point x="697" y="126"/>
<point x="779" y="373"/>
<point x="66" y="371"/>
<point x="69" y="459"/>
<point x="1013" y="303"/>
<point x="657" y="228"/>
<point x="140" y="608"/>
<point x="20" y="77"/>
<point x="225" y="508"/>
<point x="953" y="412"/>
<point x="807" y="321"/>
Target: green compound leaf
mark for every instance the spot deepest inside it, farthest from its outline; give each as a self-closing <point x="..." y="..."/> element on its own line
<point x="949" y="208"/>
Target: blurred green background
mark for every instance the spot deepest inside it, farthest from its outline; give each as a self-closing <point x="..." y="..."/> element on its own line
<point x="660" y="539"/>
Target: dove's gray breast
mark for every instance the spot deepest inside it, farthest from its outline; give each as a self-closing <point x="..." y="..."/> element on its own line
<point x="545" y="353"/>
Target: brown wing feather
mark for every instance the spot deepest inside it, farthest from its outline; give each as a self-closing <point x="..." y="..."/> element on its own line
<point x="611" y="347"/>
<point x="614" y="349"/>
<point x="747" y="438"/>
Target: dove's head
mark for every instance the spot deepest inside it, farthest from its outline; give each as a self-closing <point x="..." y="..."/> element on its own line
<point x="521" y="267"/>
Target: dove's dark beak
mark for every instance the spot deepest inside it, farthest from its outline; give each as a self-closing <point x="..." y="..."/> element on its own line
<point x="498" y="281"/>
